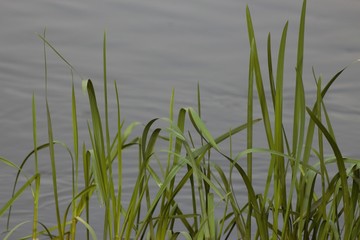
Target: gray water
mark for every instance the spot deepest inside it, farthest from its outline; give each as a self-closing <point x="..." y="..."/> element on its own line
<point x="152" y="47"/>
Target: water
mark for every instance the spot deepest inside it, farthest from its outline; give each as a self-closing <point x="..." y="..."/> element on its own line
<point x="153" y="47"/>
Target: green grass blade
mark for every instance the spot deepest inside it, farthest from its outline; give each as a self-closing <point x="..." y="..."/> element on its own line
<point x="249" y="130"/>
<point x="106" y="97"/>
<point x="98" y="145"/>
<point x="14" y="229"/>
<point x="76" y="153"/>
<point x="18" y="193"/>
<point x="37" y="183"/>
<point x="46" y="42"/>
<point x="75" y="135"/>
<point x="53" y="171"/>
<point x="250" y="109"/>
<point x="86" y="169"/>
<point x="200" y="126"/>
<point x="51" y="147"/>
<point x="117" y="216"/>
<point x="342" y="171"/>
<point x="299" y="108"/>
<point x="224" y="136"/>
<point x="88" y="227"/>
<point x="9" y="163"/>
<point x="258" y="213"/>
<point x="279" y="171"/>
<point x="270" y="69"/>
<point x="258" y="80"/>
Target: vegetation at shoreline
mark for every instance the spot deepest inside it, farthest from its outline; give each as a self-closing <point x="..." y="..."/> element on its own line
<point x="289" y="207"/>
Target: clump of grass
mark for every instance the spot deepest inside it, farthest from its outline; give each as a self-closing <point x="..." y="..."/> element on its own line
<point x="286" y="210"/>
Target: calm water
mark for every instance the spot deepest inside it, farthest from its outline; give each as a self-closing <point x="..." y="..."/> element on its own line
<point x="154" y="46"/>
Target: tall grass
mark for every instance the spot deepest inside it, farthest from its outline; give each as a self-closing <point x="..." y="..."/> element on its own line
<point x="284" y="209"/>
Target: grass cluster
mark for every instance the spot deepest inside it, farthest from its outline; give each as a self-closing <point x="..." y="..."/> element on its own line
<point x="289" y="207"/>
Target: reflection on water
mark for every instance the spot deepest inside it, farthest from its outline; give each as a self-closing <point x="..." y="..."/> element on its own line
<point x="155" y="46"/>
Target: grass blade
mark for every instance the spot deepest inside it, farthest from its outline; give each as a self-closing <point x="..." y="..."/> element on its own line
<point x="18" y="193"/>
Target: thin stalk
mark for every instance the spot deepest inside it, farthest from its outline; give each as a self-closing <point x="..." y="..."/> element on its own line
<point x="86" y="167"/>
<point x="110" y="201"/>
<point x="76" y="153"/>
<point x="52" y="151"/>
<point x="117" y="218"/>
<point x="37" y="185"/>
<point x="249" y="140"/>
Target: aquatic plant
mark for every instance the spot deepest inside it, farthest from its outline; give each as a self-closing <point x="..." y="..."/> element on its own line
<point x="286" y="208"/>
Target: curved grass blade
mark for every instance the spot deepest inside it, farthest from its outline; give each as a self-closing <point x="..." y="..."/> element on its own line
<point x="18" y="193"/>
<point x="348" y="211"/>
<point x="88" y="227"/>
<point x="201" y="128"/>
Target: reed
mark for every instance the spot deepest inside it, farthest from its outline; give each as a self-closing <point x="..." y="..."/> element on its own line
<point x="282" y="210"/>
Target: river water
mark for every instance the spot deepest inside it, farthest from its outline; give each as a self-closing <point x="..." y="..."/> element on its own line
<point x="154" y="46"/>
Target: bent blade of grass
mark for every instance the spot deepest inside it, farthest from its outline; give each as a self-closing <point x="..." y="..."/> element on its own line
<point x="84" y="198"/>
<point x="186" y="235"/>
<point x="174" y="170"/>
<point x="198" y="174"/>
<point x="14" y="229"/>
<point x="80" y="206"/>
<point x="201" y="128"/>
<point x="9" y="163"/>
<point x="348" y="211"/>
<point x="129" y="130"/>
<point x="18" y="193"/>
<point x="46" y="231"/>
<point x="46" y="42"/>
<point x="306" y="148"/>
<point x="205" y="178"/>
<point x="259" y="214"/>
<point x="88" y="227"/>
<point x="22" y="165"/>
<point x="224" y="136"/>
